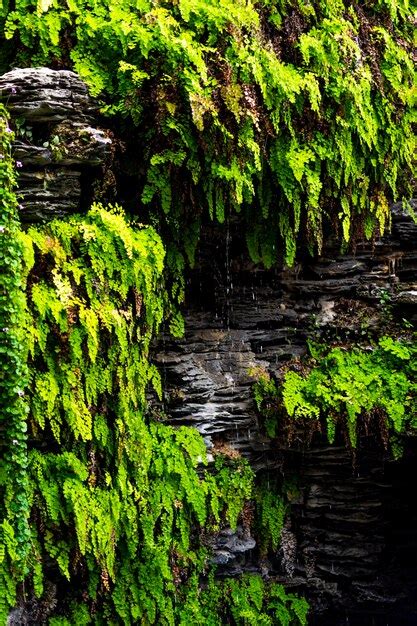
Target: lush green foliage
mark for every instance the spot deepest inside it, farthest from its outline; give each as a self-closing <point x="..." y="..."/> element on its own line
<point x="294" y="112"/>
<point x="247" y="601"/>
<point x="242" y="602"/>
<point x="119" y="502"/>
<point x="129" y="492"/>
<point x="271" y="510"/>
<point x="341" y="385"/>
<point x="14" y="507"/>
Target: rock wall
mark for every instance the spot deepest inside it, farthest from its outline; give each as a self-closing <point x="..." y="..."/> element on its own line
<point x="240" y="318"/>
<point x="344" y="544"/>
<point x="59" y="150"/>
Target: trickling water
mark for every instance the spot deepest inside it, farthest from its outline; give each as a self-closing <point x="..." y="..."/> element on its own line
<point x="229" y="285"/>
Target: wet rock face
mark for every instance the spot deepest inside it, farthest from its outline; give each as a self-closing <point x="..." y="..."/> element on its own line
<point x="58" y="146"/>
<point x="229" y="548"/>
<point x="241" y="319"/>
<point x="340" y="528"/>
<point x="347" y="544"/>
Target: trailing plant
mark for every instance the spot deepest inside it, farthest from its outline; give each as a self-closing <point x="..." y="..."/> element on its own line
<point x="270" y="513"/>
<point x="118" y="502"/>
<point x="14" y="506"/>
<point x="296" y="114"/>
<point x="96" y="299"/>
<point x="265" y="393"/>
<point x="243" y="602"/>
<point x="341" y="385"/>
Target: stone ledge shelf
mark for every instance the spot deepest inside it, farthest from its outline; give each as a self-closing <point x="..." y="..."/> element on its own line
<point x="57" y="141"/>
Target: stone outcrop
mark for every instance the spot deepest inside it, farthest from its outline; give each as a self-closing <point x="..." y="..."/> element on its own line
<point x="241" y="319"/>
<point x="247" y="319"/>
<point x="347" y="540"/>
<point x="58" y="145"/>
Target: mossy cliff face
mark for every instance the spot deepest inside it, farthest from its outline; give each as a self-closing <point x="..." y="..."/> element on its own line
<point x="277" y="124"/>
<point x="107" y="512"/>
<point x="295" y="114"/>
<point x="95" y="299"/>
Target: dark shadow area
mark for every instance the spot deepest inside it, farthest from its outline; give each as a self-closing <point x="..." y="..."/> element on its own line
<point x="386" y="594"/>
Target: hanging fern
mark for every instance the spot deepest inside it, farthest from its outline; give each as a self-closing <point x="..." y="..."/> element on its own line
<point x="298" y="113"/>
<point x="118" y="502"/>
<point x="343" y="386"/>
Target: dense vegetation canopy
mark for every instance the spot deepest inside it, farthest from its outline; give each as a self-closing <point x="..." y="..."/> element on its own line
<point x="298" y="114"/>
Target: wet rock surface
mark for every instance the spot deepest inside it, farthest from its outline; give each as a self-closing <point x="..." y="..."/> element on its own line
<point x="350" y="543"/>
<point x="241" y="319"/>
<point x="59" y="149"/>
<point x="229" y="548"/>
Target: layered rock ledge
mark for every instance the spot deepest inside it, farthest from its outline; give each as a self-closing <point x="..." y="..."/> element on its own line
<point x="346" y="540"/>
<point x="58" y="146"/>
